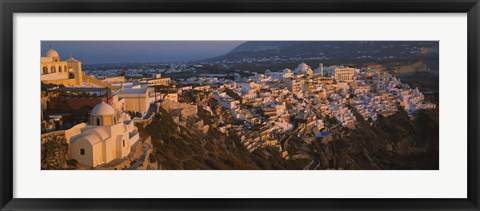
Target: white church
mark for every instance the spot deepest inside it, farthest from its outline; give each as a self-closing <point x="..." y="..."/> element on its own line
<point x="109" y="135"/>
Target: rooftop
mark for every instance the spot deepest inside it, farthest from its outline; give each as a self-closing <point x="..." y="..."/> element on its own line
<point x="133" y="91"/>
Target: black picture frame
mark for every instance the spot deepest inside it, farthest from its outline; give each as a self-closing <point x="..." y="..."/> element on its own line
<point x="10" y="7"/>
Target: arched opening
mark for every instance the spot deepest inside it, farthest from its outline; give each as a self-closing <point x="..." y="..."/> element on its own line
<point x="45" y="70"/>
<point x="123" y="143"/>
<point x="98" y="121"/>
<point x="59" y="69"/>
<point x="114" y="120"/>
<point x="53" y="70"/>
<point x="71" y="73"/>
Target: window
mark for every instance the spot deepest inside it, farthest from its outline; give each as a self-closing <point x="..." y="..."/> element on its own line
<point x="53" y="70"/>
<point x="82" y="151"/>
<point x="123" y="143"/>
<point x="60" y="69"/>
<point x="45" y="70"/>
<point x="98" y="121"/>
<point x="114" y="120"/>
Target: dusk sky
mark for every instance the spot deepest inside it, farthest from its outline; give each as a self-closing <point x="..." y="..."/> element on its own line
<point x="97" y="52"/>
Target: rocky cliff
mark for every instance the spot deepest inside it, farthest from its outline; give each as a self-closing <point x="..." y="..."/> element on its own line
<point x="395" y="142"/>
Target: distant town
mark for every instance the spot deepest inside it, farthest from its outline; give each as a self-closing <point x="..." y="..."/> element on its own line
<point x="141" y="119"/>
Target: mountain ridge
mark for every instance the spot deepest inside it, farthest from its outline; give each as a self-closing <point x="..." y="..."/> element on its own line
<point x="334" y="50"/>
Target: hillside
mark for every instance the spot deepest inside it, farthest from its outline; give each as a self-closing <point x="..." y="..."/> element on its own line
<point x="188" y="148"/>
<point x="396" y="142"/>
<point x="251" y="46"/>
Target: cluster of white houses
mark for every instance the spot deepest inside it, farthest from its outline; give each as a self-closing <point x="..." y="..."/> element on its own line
<point x="302" y="99"/>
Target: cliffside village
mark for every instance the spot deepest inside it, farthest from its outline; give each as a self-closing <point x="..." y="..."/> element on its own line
<point x="262" y="109"/>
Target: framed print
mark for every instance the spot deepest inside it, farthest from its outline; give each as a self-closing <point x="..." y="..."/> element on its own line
<point x="239" y="105"/>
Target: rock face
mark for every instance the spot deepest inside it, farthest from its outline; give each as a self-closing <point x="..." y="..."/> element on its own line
<point x="179" y="147"/>
<point x="395" y="142"/>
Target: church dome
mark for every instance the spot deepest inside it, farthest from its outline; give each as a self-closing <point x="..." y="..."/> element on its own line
<point x="51" y="53"/>
<point x="103" y="109"/>
<point x="303" y="65"/>
<point x="302" y="68"/>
